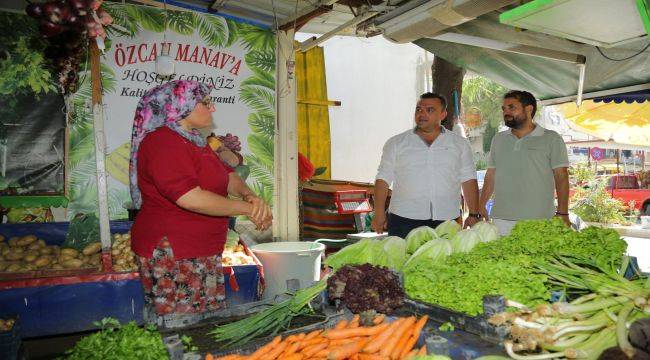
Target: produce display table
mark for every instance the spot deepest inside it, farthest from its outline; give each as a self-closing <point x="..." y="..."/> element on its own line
<point x="72" y="303"/>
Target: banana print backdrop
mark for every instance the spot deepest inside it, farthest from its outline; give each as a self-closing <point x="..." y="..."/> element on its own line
<point x="237" y="58"/>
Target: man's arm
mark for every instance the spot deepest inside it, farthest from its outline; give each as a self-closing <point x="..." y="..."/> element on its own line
<point x="381" y="193"/>
<point x="486" y="192"/>
<point x="561" y="176"/>
<point x="470" y="190"/>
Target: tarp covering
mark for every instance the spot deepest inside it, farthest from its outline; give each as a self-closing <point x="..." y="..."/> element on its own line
<point x="543" y="77"/>
<point x="622" y="123"/>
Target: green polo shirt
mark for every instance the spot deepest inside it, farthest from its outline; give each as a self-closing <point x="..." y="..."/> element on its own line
<point x="524" y="186"/>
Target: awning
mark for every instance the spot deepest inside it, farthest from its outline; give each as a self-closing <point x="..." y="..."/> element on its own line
<point x="546" y="78"/>
<point x="621" y="123"/>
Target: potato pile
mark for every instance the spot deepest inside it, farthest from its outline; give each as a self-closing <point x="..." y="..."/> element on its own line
<point x="123" y="256"/>
<point x="28" y="253"/>
<point x="6" y="324"/>
<point x="236" y="256"/>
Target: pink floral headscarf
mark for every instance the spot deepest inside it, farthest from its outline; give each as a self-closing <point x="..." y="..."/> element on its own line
<point x="164" y="105"/>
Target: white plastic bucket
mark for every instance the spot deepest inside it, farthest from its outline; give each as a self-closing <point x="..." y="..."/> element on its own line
<point x="288" y="266"/>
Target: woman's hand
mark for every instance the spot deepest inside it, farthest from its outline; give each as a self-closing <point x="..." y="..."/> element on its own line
<point x="261" y="214"/>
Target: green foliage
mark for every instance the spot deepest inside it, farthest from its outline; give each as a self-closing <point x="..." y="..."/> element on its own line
<point x="320" y="171"/>
<point x="506" y="266"/>
<point x="122" y="19"/>
<point x="257" y="38"/>
<point x="83" y="231"/>
<point x="258" y="92"/>
<point x="484" y="95"/>
<point x="23" y="70"/>
<point x="581" y="173"/>
<point x="261" y="60"/>
<point x="213" y="29"/>
<point x="488" y="134"/>
<point x="181" y="22"/>
<point x="263" y="123"/>
<point x="120" y="342"/>
<point x="596" y="204"/>
<point x="188" y="346"/>
<point x="150" y="18"/>
<point x="481" y="164"/>
<point x="23" y="67"/>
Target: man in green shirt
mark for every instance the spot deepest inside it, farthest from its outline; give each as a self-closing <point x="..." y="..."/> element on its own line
<point x="527" y="165"/>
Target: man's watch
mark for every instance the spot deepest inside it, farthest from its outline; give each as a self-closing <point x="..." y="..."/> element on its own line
<point x="476" y="215"/>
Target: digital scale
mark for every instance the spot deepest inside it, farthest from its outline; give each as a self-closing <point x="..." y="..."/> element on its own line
<point x="333" y="209"/>
<point x="353" y="202"/>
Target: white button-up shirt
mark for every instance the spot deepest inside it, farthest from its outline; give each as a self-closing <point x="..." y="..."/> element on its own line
<point x="426" y="180"/>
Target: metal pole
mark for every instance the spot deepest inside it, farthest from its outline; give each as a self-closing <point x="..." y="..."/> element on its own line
<point x="100" y="150"/>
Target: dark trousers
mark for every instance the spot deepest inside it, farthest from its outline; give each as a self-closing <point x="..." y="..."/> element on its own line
<point x="401" y="226"/>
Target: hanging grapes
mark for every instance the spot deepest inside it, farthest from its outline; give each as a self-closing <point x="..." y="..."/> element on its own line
<point x="67" y="25"/>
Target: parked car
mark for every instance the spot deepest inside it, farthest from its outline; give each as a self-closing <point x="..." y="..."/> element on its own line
<point x="626" y="189"/>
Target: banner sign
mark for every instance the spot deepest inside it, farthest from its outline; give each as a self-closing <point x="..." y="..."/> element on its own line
<point x="238" y="59"/>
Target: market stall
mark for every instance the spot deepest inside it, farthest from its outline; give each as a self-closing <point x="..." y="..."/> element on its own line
<point x="447" y="272"/>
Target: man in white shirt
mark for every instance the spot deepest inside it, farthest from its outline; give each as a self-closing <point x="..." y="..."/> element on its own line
<point x="427" y="166"/>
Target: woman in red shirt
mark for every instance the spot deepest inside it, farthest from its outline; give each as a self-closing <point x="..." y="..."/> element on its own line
<point x="182" y="188"/>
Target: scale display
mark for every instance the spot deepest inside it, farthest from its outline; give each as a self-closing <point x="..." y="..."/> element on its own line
<point x="352" y="202"/>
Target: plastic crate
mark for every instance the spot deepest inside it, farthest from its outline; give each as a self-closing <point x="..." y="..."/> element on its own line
<point x="10" y="340"/>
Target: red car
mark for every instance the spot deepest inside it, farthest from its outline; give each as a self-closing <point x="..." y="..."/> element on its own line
<point x="626" y="189"/>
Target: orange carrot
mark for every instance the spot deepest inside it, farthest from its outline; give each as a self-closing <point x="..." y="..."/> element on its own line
<point x="293" y="357"/>
<point x="291" y="338"/>
<point x="422" y="351"/>
<point x="338" y="342"/>
<point x="310" y="342"/>
<point x="351" y="332"/>
<point x="416" y="335"/>
<point x="265" y="349"/>
<point x="322" y="354"/>
<point x="354" y="323"/>
<point x="276" y="351"/>
<point x="387" y="349"/>
<point x="209" y="356"/>
<point x="379" y="319"/>
<point x="291" y="349"/>
<point x="312" y="334"/>
<point x="363" y="356"/>
<point x="341" y="325"/>
<point x="347" y="350"/>
<point x="354" y="357"/>
<point x="404" y="338"/>
<point x="230" y="357"/>
<point x="379" y="340"/>
<point x="310" y="351"/>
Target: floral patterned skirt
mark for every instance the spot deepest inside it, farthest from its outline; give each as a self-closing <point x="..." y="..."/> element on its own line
<point x="183" y="286"/>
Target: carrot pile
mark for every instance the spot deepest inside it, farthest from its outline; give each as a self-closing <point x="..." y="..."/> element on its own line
<point x="347" y="340"/>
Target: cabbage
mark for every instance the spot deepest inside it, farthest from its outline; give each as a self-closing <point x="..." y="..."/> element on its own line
<point x="465" y="240"/>
<point x="389" y="252"/>
<point x="418" y="237"/>
<point x="448" y="229"/>
<point x="357" y="253"/>
<point x="393" y="252"/>
<point x="487" y="231"/>
<point x="434" y="251"/>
